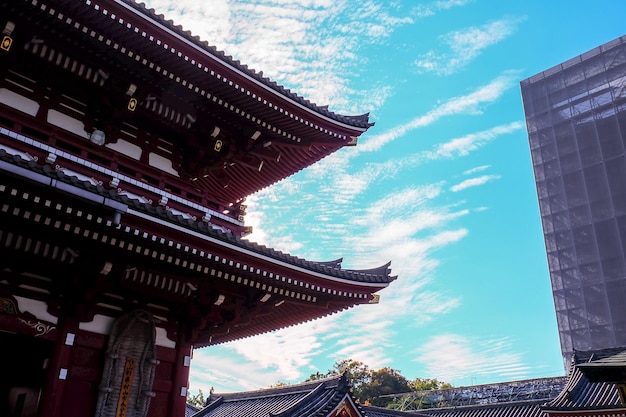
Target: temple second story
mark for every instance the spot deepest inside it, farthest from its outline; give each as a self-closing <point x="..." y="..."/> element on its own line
<point x="152" y="111"/>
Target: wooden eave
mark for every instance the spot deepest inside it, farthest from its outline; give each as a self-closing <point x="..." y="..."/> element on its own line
<point x="62" y="241"/>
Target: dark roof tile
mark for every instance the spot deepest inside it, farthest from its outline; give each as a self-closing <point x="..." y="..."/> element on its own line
<point x="310" y="399"/>
<point x="582" y="394"/>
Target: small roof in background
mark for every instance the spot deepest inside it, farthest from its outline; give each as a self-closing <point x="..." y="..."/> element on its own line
<point x="319" y="398"/>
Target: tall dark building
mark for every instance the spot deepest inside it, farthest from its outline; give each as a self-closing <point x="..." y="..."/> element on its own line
<point x="576" y="121"/>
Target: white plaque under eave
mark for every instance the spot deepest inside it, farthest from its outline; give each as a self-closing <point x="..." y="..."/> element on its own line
<point x="68" y="123"/>
<point x="124" y="147"/>
<point x="161" y="163"/>
<point x="19" y="102"/>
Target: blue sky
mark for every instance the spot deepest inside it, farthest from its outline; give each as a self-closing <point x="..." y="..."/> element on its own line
<point x="442" y="185"/>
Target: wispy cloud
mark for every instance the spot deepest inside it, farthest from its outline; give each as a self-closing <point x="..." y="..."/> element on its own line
<point x="473" y="182"/>
<point x="398" y="216"/>
<point x="465" y="45"/>
<point x="453" y="357"/>
<point x="311" y="46"/>
<point x="476" y="169"/>
<point x="466" y="144"/>
<point x="286" y="350"/>
<point x="283" y="355"/>
<point x="407" y="225"/>
<point x="315" y="48"/>
<point x="425" y="10"/>
<point x="325" y="197"/>
<point x="216" y="367"/>
<point x="345" y="184"/>
<point x="471" y="103"/>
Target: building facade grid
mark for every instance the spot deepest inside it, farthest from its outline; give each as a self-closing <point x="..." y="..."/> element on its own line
<point x="576" y="121"/>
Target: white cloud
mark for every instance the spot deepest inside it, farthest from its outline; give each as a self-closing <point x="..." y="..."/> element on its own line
<point x="286" y="350"/>
<point x="425" y="10"/>
<point x="465" y="45"/>
<point x="453" y="357"/>
<point x="262" y="360"/>
<point x="473" y="182"/>
<point x="406" y="226"/>
<point x="464" y="145"/>
<point x="310" y="46"/>
<point x="476" y="169"/>
<point x="468" y="104"/>
<point x="344" y="186"/>
<point x="214" y="367"/>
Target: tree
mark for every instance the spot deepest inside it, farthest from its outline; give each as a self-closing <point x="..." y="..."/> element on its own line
<point x="357" y="373"/>
<point x="377" y="386"/>
<point x="196" y="400"/>
<point x="367" y="384"/>
<point x="317" y="375"/>
<point x="279" y="384"/>
<point x="383" y="382"/>
<point x="426" y="384"/>
<point x="421" y="399"/>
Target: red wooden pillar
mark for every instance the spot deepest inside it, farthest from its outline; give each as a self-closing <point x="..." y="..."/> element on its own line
<point x="53" y="393"/>
<point x="180" y="380"/>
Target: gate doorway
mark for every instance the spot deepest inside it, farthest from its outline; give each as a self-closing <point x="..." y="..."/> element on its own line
<point x="23" y="362"/>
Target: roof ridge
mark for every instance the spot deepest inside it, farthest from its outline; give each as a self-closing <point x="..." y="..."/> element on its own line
<point x="288" y="388"/>
<point x="301" y="402"/>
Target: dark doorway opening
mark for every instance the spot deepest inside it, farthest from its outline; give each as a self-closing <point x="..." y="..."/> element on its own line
<point x="22" y="362"/>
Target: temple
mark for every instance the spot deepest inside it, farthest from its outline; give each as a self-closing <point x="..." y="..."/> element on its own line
<point x="127" y="150"/>
<point x="595" y="387"/>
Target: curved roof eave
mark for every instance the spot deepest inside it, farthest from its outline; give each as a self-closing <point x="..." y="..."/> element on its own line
<point x="360" y="122"/>
<point x="260" y="256"/>
<point x="372" y="279"/>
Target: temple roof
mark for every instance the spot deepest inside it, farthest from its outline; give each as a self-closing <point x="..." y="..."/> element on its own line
<point x="513" y="409"/>
<point x="235" y="287"/>
<point x="378" y="277"/>
<point x="608" y="366"/>
<point x="229" y="131"/>
<point x="582" y="394"/>
<point x="190" y="410"/>
<point x="371" y="411"/>
<point x="311" y="399"/>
